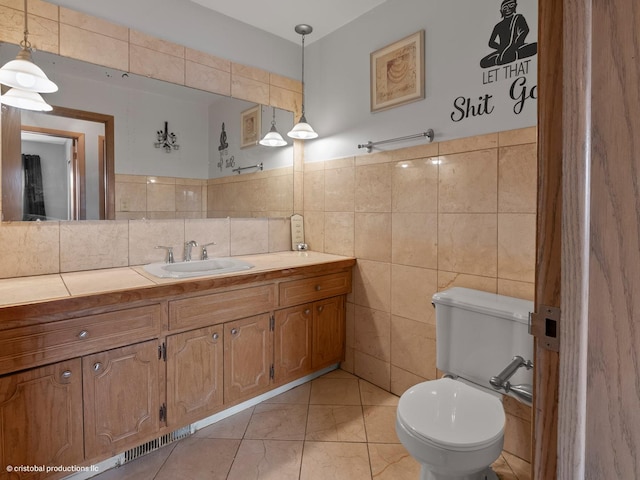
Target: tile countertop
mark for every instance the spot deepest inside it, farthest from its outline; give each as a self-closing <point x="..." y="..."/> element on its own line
<point x="43" y="288"/>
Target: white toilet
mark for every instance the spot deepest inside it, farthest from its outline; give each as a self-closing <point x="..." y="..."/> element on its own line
<point x="454" y="426"/>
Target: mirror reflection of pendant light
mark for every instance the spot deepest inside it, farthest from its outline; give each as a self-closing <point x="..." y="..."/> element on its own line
<point x="25" y="100"/>
<point x="24" y="75"/>
<point x="273" y="138"/>
<point x="302" y="130"/>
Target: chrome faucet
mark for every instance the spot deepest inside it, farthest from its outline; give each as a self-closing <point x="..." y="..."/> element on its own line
<point x="525" y="392"/>
<point x="187" y="249"/>
<point x="205" y="254"/>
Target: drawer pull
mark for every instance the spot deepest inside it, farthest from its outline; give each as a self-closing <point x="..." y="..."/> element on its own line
<point x="83" y="334"/>
<point x="215" y="336"/>
<point x="234" y="331"/>
<point x="66" y="375"/>
<point x="97" y="366"/>
<point x="318" y="288"/>
<point x="321" y="308"/>
<point x="307" y="311"/>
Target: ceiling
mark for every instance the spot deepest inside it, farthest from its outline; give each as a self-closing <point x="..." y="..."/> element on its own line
<point x="279" y="17"/>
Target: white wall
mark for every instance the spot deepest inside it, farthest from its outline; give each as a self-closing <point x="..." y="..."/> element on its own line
<point x="457" y="33"/>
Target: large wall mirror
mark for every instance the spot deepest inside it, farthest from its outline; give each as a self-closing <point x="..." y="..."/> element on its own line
<point x="96" y="155"/>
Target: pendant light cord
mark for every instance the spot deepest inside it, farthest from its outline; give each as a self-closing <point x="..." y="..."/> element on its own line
<point x="25" y="42"/>
<point x="302" y="73"/>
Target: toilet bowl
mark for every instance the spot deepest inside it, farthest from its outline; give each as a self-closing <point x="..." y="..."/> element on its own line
<point x="454" y="430"/>
<point x="454" y="426"/>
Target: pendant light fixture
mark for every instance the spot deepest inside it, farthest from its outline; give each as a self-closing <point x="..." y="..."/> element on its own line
<point x="302" y="130"/>
<point x="25" y="100"/>
<point x="273" y="138"/>
<point x="22" y="73"/>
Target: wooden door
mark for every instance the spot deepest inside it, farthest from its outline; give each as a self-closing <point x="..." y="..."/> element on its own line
<point x="248" y="357"/>
<point x="121" y="398"/>
<point x="328" y="332"/>
<point x="194" y="374"/>
<point x="292" y="343"/>
<point x="41" y="411"/>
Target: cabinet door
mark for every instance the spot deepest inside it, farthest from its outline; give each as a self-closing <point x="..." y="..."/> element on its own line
<point x="194" y="374"/>
<point x="41" y="412"/>
<point x="247" y="357"/>
<point x="292" y="343"/>
<point x="328" y="332"/>
<point x="121" y="398"/>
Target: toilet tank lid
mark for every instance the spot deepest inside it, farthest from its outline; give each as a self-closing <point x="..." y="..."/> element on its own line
<point x="483" y="302"/>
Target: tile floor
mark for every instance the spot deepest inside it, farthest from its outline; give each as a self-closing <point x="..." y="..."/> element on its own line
<point x="333" y="428"/>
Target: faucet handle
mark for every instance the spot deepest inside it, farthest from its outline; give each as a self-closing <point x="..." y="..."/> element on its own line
<point x="205" y="254"/>
<point x="169" y="253"/>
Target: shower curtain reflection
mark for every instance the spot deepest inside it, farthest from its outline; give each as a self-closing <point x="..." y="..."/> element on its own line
<point x="34" y="205"/>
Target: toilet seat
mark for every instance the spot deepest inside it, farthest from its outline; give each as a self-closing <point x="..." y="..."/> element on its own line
<point x="452" y="415"/>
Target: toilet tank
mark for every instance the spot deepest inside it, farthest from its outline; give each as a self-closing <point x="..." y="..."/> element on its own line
<point x="479" y="333"/>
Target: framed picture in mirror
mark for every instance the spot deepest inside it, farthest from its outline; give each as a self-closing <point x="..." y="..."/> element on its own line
<point x="250" y="126"/>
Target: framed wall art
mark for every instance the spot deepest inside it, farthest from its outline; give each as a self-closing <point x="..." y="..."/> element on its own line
<point x="250" y="126"/>
<point x="397" y="73"/>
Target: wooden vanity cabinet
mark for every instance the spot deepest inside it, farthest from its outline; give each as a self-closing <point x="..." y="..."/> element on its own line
<point x="121" y="398"/>
<point x="248" y="357"/>
<point x="41" y="411"/>
<point x="194" y="374"/>
<point x="329" y="332"/>
<point x="292" y="343"/>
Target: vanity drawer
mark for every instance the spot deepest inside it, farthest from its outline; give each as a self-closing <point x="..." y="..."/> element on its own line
<point x="26" y="347"/>
<point x="221" y="307"/>
<point x="316" y="288"/>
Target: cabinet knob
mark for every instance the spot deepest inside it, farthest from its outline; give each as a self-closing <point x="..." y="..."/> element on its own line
<point x="83" y="334"/>
<point x="318" y="288"/>
<point x="66" y="375"/>
<point x="234" y="331"/>
<point x="97" y="366"/>
<point x="307" y="311"/>
<point x="215" y="336"/>
<point x="321" y="308"/>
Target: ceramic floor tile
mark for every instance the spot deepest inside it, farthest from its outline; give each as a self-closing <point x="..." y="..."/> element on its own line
<point x="267" y="460"/>
<point x="143" y="468"/>
<point x="335" y="461"/>
<point x="392" y="462"/>
<point x="272" y="421"/>
<point x="380" y="422"/>
<point x="199" y="459"/>
<point x="298" y="394"/>
<point x="338" y="373"/>
<point x="372" y="395"/>
<point x="335" y="391"/>
<point x="231" y="427"/>
<point x="335" y="423"/>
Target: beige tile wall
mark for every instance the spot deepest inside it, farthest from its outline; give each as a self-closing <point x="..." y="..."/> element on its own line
<point x="259" y="194"/>
<point x="420" y="220"/>
<point x="139" y="196"/>
<point x="38" y="248"/>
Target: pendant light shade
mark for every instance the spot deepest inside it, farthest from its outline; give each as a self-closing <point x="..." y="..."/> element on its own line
<point x="273" y="138"/>
<point x="25" y="100"/>
<point x="22" y="73"/>
<point x="302" y="130"/>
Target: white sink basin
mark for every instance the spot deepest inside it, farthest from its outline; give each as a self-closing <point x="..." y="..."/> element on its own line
<point x="197" y="268"/>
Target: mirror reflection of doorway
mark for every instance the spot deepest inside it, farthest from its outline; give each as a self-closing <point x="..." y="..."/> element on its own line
<point x="54" y="174"/>
<point x="87" y="140"/>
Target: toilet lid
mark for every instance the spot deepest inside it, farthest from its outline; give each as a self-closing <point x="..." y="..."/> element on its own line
<point x="451" y="414"/>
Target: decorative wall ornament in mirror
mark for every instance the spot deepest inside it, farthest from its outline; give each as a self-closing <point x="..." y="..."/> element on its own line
<point x="195" y="181"/>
